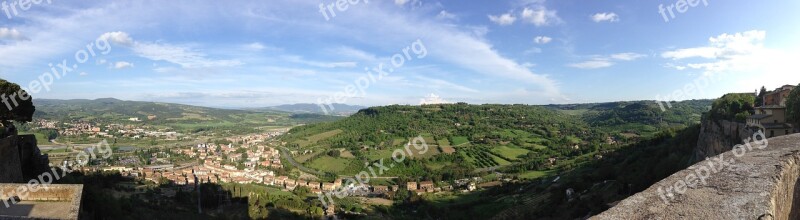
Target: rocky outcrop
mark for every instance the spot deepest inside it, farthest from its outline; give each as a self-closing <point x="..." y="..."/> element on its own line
<point x="750" y="182"/>
<point x="718" y="136"/>
<point x="21" y="159"/>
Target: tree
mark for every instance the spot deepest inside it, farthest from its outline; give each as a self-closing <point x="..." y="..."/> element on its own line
<point x="17" y="104"/>
<point x="760" y="97"/>
<point x="793" y="105"/>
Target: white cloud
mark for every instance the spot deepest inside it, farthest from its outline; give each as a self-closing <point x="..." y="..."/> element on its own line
<point x="184" y="56"/>
<point x="255" y="46"/>
<point x="592" y="64"/>
<point x="722" y="46"/>
<point x="730" y="53"/>
<point x="432" y="99"/>
<point x="353" y="53"/>
<point x="598" y="62"/>
<point x="12" y="34"/>
<point x="301" y="60"/>
<point x="404" y="2"/>
<point x="123" y="65"/>
<point x="503" y="20"/>
<point x="446" y="15"/>
<point x="540" y="16"/>
<point x="542" y="39"/>
<point x="118" y="37"/>
<point x="605" y="17"/>
<point x="627" y="56"/>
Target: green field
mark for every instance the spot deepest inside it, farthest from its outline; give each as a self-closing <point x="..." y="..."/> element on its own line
<point x="510" y="152"/>
<point x="534" y="174"/>
<point x="459" y="140"/>
<point x="317" y="137"/>
<point x="329" y="164"/>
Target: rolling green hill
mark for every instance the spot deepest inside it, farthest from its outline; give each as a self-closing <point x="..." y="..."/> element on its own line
<point x="177" y="116"/>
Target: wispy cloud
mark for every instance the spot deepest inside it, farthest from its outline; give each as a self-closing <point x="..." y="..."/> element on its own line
<point x="122" y="65"/>
<point x="12" y="34"/>
<point x="503" y="19"/>
<point x="605" y="17"/>
<point x="542" y="39"/>
<point x="539" y="15"/>
<point x="597" y="62"/>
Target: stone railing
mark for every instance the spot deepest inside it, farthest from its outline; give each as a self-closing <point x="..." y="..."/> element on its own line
<point x="747" y="184"/>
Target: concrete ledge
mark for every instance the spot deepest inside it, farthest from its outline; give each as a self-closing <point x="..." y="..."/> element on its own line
<point x="59" y="201"/>
<point x="761" y="184"/>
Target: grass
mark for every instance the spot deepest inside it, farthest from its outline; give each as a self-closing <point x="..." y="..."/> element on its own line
<point x="379" y="154"/>
<point x="329" y="164"/>
<point x="437" y="166"/>
<point x="510" y="152"/>
<point x="433" y="150"/>
<point x="459" y="140"/>
<point x="534" y="174"/>
<point x="304" y="158"/>
<point x="347" y="154"/>
<point x="445" y="146"/>
<point x="317" y="137"/>
<point x="500" y="161"/>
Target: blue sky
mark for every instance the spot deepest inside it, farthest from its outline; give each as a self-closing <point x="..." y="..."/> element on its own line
<point x="251" y="54"/>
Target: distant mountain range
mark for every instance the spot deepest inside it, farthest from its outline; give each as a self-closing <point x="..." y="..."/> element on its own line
<point x="338" y="109"/>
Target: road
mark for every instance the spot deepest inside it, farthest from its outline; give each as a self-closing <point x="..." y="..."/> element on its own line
<point x="288" y="156"/>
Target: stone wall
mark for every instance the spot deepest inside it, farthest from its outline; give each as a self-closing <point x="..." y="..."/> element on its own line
<point x="760" y="184"/>
<point x="72" y="194"/>
<point x="10" y="169"/>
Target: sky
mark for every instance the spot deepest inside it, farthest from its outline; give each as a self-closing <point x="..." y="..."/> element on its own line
<point x="369" y="52"/>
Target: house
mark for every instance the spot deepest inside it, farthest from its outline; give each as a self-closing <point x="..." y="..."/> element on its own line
<point x="313" y="185"/>
<point x="337" y="183"/>
<point x="281" y="180"/>
<point x="302" y="183"/>
<point x="380" y="189"/>
<point x="426" y="186"/>
<point x="770" y="117"/>
<point x="330" y="211"/>
<point x="327" y="187"/>
<point x="269" y="180"/>
<point x="411" y="186"/>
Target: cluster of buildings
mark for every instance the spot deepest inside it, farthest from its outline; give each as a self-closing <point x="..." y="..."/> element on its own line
<point x="770" y="116"/>
<point x="78" y="128"/>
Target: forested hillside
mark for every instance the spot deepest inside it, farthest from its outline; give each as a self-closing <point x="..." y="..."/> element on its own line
<point x="601" y="152"/>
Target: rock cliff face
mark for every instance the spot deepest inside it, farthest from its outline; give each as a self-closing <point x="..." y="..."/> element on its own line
<point x="21" y="159"/>
<point x="718" y="136"/>
<point x="753" y="181"/>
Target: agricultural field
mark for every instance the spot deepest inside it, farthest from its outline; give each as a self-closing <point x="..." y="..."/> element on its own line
<point x="480" y="156"/>
<point x="317" y="137"/>
<point x="510" y="152"/>
<point x="459" y="140"/>
<point x="444" y="146"/>
<point x="329" y="164"/>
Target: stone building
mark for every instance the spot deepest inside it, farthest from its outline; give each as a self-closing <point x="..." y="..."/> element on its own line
<point x="771" y="116"/>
